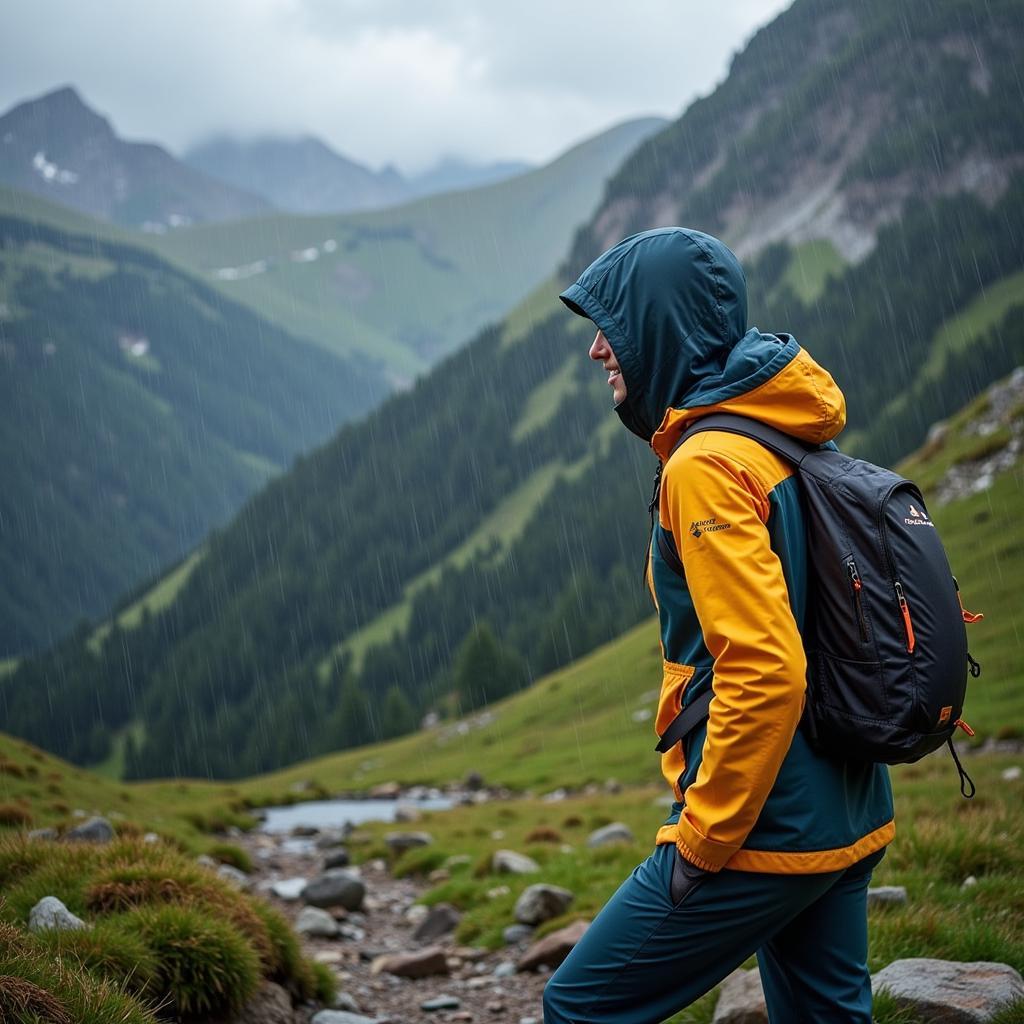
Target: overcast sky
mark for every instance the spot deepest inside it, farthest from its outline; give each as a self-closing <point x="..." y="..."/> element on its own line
<point x="401" y="81"/>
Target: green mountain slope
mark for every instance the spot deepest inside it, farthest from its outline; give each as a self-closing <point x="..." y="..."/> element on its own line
<point x="499" y="500"/>
<point x="138" y="409"/>
<point x="410" y="283"/>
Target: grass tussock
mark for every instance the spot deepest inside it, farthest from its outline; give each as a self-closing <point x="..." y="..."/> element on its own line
<point x="36" y="986"/>
<point x="163" y="927"/>
<point x="229" y="853"/>
<point x="15" y="816"/>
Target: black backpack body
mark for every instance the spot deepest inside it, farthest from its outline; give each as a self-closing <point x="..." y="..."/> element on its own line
<point x="885" y="632"/>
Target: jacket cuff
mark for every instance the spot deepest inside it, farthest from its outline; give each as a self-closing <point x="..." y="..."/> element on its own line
<point x="699" y="850"/>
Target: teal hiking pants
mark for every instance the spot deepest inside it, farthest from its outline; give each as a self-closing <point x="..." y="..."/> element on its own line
<point x="644" y="957"/>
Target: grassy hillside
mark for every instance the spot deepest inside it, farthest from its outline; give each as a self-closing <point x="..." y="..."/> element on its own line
<point x="410" y="283"/>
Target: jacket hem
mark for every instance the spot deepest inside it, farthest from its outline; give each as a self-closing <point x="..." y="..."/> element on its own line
<point x="808" y="862"/>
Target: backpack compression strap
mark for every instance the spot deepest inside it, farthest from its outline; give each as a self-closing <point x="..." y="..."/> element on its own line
<point x="783" y="445"/>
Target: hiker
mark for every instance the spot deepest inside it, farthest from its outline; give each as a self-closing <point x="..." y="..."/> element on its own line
<point x="769" y="846"/>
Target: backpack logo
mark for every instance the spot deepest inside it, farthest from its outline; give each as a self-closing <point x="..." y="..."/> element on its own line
<point x="945" y="714"/>
<point x="699" y="526"/>
<point x="919" y="518"/>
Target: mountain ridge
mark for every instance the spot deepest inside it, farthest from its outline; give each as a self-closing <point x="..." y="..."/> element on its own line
<point x="56" y="146"/>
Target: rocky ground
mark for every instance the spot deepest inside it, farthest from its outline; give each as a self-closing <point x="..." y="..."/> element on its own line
<point x="465" y="984"/>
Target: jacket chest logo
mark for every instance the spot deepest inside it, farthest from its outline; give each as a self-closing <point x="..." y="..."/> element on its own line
<point x="699" y="526"/>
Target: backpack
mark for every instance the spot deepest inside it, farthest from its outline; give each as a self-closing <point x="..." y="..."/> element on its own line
<point x="885" y="632"/>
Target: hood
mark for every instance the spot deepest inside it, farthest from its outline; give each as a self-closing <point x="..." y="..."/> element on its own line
<point x="672" y="303"/>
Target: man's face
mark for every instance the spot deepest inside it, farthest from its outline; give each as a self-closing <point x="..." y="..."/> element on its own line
<point x="602" y="353"/>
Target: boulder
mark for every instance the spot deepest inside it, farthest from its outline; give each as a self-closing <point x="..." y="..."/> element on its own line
<point x="95" y="830"/>
<point x="509" y="862"/>
<point x="741" y="1000"/>
<point x="887" y="896"/>
<point x="289" y="889"/>
<point x="417" y="913"/>
<point x="405" y="811"/>
<point x="616" y="832"/>
<point x="474" y="781"/>
<point x="440" y="920"/>
<point x="270" y="1004"/>
<point x="341" y="1017"/>
<point x="343" y="1001"/>
<point x="231" y="874"/>
<point x="336" y="857"/>
<point x="949" y="992"/>
<point x="50" y="912"/>
<point x="420" y="964"/>
<point x="399" y="842"/>
<point x="442" y="1002"/>
<point x="554" y="948"/>
<point x="316" y="923"/>
<point x="516" y="933"/>
<point x="541" y="902"/>
<point x="338" y="887"/>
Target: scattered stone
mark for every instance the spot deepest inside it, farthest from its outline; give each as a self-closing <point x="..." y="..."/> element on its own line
<point x="498" y="890"/>
<point x="386" y="791"/>
<point x="399" y="842"/>
<point x="206" y="861"/>
<point x="337" y="857"/>
<point x="417" y="913"/>
<point x="505" y="969"/>
<point x="555" y="795"/>
<point x="511" y="863"/>
<point x="969" y="882"/>
<point x="337" y="887"/>
<point x="328" y="956"/>
<point x="554" y="948"/>
<point x="461" y="1015"/>
<point x="341" y="1017"/>
<point x="305" y="831"/>
<point x="458" y="860"/>
<point x="741" y="1000"/>
<point x="441" y="919"/>
<point x="343" y="1001"/>
<point x="49" y="913"/>
<point x="516" y="933"/>
<point x="420" y="964"/>
<point x="1012" y="774"/>
<point x="351" y="932"/>
<point x="317" y="923"/>
<point x="441" y="1002"/>
<point x="231" y="874"/>
<point x="289" y="889"/>
<point x="887" y="896"/>
<point x="439" y="875"/>
<point x="616" y="832"/>
<point x="43" y="833"/>
<point x="270" y="1004"/>
<point x="95" y="830"/>
<point x="151" y="837"/>
<point x="613" y="785"/>
<point x="528" y="1020"/>
<point x="407" y="812"/>
<point x="474" y="781"/>
<point x="947" y="992"/>
<point x="539" y="903"/>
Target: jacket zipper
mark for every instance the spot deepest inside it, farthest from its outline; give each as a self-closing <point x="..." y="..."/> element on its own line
<point x="858" y="585"/>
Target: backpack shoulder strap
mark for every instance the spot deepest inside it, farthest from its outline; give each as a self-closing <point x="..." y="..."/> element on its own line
<point x="784" y="445"/>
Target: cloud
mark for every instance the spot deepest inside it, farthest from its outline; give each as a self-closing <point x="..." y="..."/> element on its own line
<point x="381" y="80"/>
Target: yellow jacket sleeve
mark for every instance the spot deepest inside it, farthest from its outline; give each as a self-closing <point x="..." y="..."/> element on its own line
<point x="717" y="511"/>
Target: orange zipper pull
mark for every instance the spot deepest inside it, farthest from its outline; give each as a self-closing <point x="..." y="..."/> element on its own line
<point x="961" y="724"/>
<point x="968" y="616"/>
<point x="908" y="625"/>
